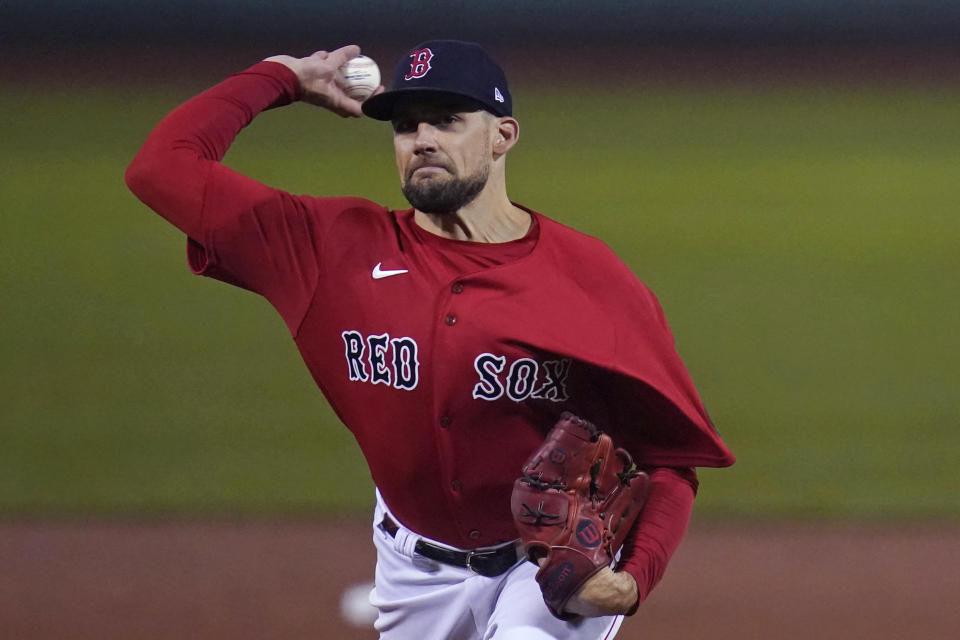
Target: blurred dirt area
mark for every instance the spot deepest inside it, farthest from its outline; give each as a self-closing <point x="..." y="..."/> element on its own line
<point x="111" y="580"/>
<point x="818" y="63"/>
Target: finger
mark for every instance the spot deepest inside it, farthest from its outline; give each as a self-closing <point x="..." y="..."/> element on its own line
<point x="343" y="54"/>
<point x="342" y="104"/>
<point x="378" y="90"/>
<point x="319" y="54"/>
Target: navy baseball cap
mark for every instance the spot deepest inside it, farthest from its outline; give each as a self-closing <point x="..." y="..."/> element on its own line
<point x="445" y="69"/>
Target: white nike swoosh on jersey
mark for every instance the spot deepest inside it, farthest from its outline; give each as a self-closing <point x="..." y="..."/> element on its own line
<point x="386" y="273"/>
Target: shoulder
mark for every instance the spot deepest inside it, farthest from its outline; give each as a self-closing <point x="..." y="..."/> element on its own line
<point x="585" y="253"/>
<point x="344" y="205"/>
<point x="592" y="265"/>
<point x="344" y="221"/>
<point x="345" y="212"/>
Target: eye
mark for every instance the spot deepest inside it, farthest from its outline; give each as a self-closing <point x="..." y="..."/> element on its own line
<point x="404" y="126"/>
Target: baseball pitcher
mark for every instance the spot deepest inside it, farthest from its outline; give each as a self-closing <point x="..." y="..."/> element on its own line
<point x="514" y="388"/>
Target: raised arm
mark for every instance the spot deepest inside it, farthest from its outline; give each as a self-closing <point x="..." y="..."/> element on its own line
<point x="171" y="171"/>
<point x="239" y="230"/>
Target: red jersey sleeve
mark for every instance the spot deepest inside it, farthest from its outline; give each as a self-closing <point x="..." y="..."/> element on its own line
<point x="660" y="527"/>
<point x="239" y="230"/>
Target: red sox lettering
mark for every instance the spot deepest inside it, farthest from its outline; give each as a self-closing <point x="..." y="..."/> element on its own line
<point x="380" y="359"/>
<point x="394" y="362"/>
<point x="526" y="378"/>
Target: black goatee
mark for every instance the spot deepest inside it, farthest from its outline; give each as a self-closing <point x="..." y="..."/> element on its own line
<point x="445" y="197"/>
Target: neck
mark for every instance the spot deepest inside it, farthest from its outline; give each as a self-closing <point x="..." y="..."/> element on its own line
<point x="490" y="217"/>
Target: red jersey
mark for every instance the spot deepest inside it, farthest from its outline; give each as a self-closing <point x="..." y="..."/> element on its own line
<point x="449" y="361"/>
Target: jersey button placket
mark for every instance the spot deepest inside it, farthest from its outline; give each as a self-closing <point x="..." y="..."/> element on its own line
<point x="445" y="344"/>
<point x="451" y="318"/>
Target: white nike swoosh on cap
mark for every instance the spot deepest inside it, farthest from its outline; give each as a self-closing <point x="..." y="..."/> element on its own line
<point x="386" y="273"/>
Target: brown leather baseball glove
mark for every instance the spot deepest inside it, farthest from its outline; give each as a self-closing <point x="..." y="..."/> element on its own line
<point x="574" y="504"/>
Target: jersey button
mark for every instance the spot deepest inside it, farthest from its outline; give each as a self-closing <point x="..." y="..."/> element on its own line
<point x="455" y="485"/>
<point x="450" y="319"/>
<point x="457" y="287"/>
<point x="474" y="534"/>
<point x="445" y="421"/>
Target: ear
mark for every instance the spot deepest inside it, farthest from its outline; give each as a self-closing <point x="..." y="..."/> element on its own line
<point x="506" y="135"/>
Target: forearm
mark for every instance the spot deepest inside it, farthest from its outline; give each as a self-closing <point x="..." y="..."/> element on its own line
<point x="171" y="170"/>
<point x="660" y="527"/>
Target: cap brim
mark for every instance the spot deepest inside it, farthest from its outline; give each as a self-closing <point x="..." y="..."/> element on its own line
<point x="382" y="105"/>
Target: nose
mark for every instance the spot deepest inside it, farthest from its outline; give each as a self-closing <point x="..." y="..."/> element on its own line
<point x="426" y="141"/>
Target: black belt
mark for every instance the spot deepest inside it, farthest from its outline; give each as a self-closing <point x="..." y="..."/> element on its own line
<point x="487" y="562"/>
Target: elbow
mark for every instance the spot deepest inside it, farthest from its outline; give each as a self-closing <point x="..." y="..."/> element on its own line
<point x="170" y="185"/>
<point x="155" y="178"/>
<point x="139" y="176"/>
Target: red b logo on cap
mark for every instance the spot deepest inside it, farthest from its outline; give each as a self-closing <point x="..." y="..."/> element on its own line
<point x="420" y="64"/>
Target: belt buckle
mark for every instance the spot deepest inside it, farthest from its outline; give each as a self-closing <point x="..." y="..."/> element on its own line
<point x="473" y="553"/>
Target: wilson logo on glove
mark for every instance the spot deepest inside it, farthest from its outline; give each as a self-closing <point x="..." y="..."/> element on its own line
<point x="555" y="581"/>
<point x="589" y="534"/>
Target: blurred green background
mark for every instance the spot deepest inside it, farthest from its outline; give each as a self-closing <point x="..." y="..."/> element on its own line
<point x="803" y="239"/>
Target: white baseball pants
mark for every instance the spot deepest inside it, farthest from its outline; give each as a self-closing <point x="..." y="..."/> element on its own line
<point x="420" y="599"/>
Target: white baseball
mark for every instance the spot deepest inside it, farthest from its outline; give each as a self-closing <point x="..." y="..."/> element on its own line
<point x="355" y="605"/>
<point x="359" y="77"/>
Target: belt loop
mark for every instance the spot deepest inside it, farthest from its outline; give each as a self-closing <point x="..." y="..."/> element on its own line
<point x="405" y="541"/>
